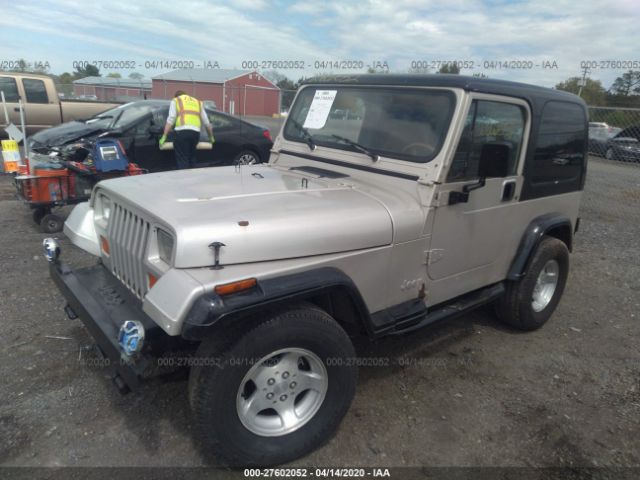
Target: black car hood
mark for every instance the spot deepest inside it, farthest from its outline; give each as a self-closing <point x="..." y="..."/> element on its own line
<point x="65" y="133"/>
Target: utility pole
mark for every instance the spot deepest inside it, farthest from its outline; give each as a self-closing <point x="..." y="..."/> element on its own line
<point x="583" y="81"/>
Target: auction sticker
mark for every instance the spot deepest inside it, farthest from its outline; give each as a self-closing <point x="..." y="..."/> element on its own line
<point x="320" y="108"/>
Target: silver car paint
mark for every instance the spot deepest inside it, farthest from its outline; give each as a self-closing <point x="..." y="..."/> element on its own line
<point x="396" y="238"/>
<point x="286" y="217"/>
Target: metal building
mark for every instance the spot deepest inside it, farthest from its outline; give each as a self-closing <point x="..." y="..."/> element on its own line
<point x="239" y="92"/>
<point x="112" y="89"/>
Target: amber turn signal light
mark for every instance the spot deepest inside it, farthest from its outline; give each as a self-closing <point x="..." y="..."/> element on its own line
<point x="235" y="287"/>
<point x="104" y="243"/>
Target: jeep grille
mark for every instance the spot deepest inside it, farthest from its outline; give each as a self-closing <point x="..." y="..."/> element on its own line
<point x="128" y="235"/>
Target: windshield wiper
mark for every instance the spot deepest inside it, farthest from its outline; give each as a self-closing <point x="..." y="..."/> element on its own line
<point x="374" y="156"/>
<point x="308" y="137"/>
<point x="96" y="118"/>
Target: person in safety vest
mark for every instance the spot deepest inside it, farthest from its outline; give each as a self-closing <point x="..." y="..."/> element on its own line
<point x="188" y="116"/>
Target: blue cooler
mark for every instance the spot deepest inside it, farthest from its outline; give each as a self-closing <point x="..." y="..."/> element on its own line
<point x="108" y="156"/>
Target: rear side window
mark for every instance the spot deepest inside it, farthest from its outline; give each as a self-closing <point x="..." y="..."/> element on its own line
<point x="487" y="122"/>
<point x="218" y="121"/>
<point x="559" y="154"/>
<point x="630" y="132"/>
<point x="35" y="90"/>
<point x="10" y="88"/>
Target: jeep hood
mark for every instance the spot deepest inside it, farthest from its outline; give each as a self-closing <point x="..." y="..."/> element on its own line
<point x="287" y="216"/>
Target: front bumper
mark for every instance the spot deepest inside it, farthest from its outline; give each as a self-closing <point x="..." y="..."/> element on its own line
<point x="103" y="304"/>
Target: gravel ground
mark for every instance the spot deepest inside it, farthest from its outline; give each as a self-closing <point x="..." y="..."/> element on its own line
<point x="469" y="392"/>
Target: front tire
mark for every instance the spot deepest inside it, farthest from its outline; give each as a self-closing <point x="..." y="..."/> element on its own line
<point x="609" y="154"/>
<point x="529" y="302"/>
<point x="275" y="393"/>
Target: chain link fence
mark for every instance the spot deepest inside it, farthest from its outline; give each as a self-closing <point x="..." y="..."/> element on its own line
<point x="108" y="90"/>
<point x="612" y="191"/>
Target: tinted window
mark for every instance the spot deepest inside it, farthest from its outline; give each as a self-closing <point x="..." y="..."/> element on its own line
<point x="487" y="122"/>
<point x="35" y="90"/>
<point x="10" y="89"/>
<point x="630" y="132"/>
<point x="219" y="121"/>
<point x="143" y="127"/>
<point x="559" y="153"/>
<point x="159" y="117"/>
<point x="403" y="123"/>
<point x="131" y="113"/>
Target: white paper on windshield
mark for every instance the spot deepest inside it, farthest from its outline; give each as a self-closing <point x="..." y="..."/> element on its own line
<point x="320" y="108"/>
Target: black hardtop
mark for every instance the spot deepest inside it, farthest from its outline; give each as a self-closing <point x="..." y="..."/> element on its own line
<point x="533" y="94"/>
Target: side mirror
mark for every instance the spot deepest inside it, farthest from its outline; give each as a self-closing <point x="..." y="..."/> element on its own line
<point x="493" y="163"/>
<point x="494" y="160"/>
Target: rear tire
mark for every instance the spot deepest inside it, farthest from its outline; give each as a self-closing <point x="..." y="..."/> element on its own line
<point x="529" y="302"/>
<point x="51" y="223"/>
<point x="246" y="157"/>
<point x="252" y="412"/>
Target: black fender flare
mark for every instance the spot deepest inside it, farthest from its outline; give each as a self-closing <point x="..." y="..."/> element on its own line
<point x="556" y="224"/>
<point x="211" y="311"/>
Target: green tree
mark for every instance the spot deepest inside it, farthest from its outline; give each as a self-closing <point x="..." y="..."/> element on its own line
<point x="21" y="66"/>
<point x="592" y="91"/>
<point x="88" y="71"/>
<point x="418" y="70"/>
<point x="627" y="84"/>
<point x="287" y="91"/>
<point x="114" y="75"/>
<point x="450" y="68"/>
<point x="27" y="67"/>
<point x="65" y="78"/>
<point x="136" y="76"/>
<point x="377" y="70"/>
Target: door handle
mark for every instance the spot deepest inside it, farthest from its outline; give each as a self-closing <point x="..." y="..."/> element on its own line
<point x="16" y="109"/>
<point x="508" y="190"/>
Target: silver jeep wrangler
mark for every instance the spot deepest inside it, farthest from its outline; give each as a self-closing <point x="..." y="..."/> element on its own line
<point x="389" y="202"/>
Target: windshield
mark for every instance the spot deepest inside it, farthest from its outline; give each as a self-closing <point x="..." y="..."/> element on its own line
<point x="408" y="124"/>
<point x="106" y="118"/>
<point x="123" y="115"/>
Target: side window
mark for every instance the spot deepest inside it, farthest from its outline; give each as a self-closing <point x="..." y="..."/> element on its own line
<point x="630" y="132"/>
<point x="487" y="122"/>
<point x="159" y="117"/>
<point x="561" y="141"/>
<point x="35" y="90"/>
<point x="143" y="127"/>
<point x="10" y="88"/>
<point x="219" y="121"/>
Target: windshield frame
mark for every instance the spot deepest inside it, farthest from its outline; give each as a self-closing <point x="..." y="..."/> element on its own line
<point x="383" y="154"/>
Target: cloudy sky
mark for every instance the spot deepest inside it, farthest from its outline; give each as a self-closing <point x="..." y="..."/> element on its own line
<point x="399" y="32"/>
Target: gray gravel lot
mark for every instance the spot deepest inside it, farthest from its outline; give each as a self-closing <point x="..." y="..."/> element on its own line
<point x="466" y="393"/>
